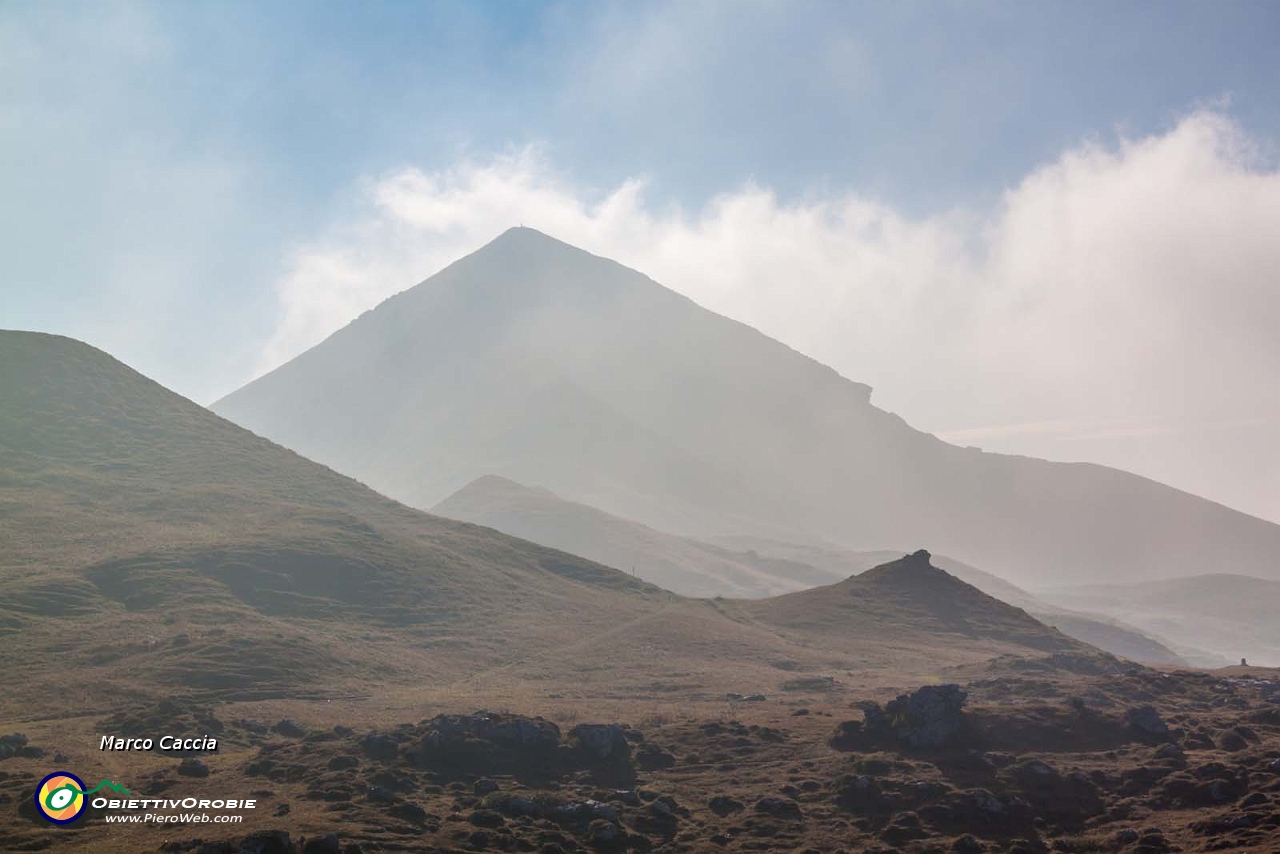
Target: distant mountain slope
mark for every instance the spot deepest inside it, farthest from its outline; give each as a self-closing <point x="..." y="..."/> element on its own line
<point x="755" y="567"/>
<point x="680" y="564"/>
<point x="154" y="549"/>
<point x="1233" y="616"/>
<point x="539" y="362"/>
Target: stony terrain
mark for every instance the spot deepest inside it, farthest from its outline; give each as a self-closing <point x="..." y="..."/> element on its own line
<point x="1058" y="753"/>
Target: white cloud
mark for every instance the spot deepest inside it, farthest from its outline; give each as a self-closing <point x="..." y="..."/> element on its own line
<point x="1137" y="283"/>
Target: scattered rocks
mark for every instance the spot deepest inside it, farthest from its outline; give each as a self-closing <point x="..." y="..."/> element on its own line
<point x="329" y="844"/>
<point x="1146" y="722"/>
<point x="380" y="747"/>
<point x="929" y="717"/>
<point x="192" y="767"/>
<point x="651" y="757"/>
<point x="860" y="793"/>
<point x="289" y="728"/>
<point x="484" y="786"/>
<point x="11" y="744"/>
<point x="778" y="807"/>
<point x="603" y="741"/>
<point x="1232" y="741"/>
<point x="722" y="805"/>
<point x="410" y="812"/>
<point x="267" y="842"/>
<point x="486" y="818"/>
<point x="967" y="844"/>
<point x="605" y="834"/>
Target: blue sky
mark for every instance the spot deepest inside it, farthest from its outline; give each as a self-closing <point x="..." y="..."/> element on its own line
<point x="169" y="173"/>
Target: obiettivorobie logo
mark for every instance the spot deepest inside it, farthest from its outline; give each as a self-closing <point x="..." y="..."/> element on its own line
<point x="60" y="797"/>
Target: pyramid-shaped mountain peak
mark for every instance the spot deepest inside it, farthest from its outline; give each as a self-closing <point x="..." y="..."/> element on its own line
<point x="542" y="363"/>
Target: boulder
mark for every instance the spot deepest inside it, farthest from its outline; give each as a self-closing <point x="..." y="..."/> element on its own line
<point x="379" y="747"/>
<point x="1231" y="741"/>
<point x="289" y="728"/>
<point x="928" y="717"/>
<point x="722" y="805"/>
<point x="778" y="807"/>
<point x="967" y="845"/>
<point x="651" y="757"/>
<point x="486" y="818"/>
<point x="10" y="744"/>
<point x="603" y="741"/>
<point x="605" y="834"/>
<point x="193" y="768"/>
<point x="1146" y="722"/>
<point x="860" y="793"/>
<point x="267" y="842"/>
<point x="329" y="844"/>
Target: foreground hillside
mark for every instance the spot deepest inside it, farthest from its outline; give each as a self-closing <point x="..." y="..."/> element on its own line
<point x="541" y="363"/>
<point x="159" y="547"/>
<point x="187" y="552"/>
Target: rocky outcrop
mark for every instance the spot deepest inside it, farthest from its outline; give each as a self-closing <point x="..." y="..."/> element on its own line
<point x="929" y="717"/>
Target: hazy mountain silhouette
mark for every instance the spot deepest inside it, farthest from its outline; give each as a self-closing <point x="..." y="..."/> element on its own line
<point x="1231" y="616"/>
<point x="539" y="362"/>
<point x="753" y="567"/>
<point x="681" y="564"/>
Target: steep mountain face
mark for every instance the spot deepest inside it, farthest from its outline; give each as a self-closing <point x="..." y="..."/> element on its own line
<point x="533" y="360"/>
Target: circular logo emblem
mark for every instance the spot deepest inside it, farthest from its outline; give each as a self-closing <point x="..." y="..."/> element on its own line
<point x="60" y="797"/>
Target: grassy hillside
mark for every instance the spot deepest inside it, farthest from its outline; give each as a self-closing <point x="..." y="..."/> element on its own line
<point x="904" y="597"/>
<point x="157" y="548"/>
<point x="150" y="538"/>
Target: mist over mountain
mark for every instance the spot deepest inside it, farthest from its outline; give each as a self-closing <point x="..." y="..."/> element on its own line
<point x="746" y="566"/>
<point x="539" y="362"/>
<point x="1232" y="616"/>
<point x="683" y="565"/>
